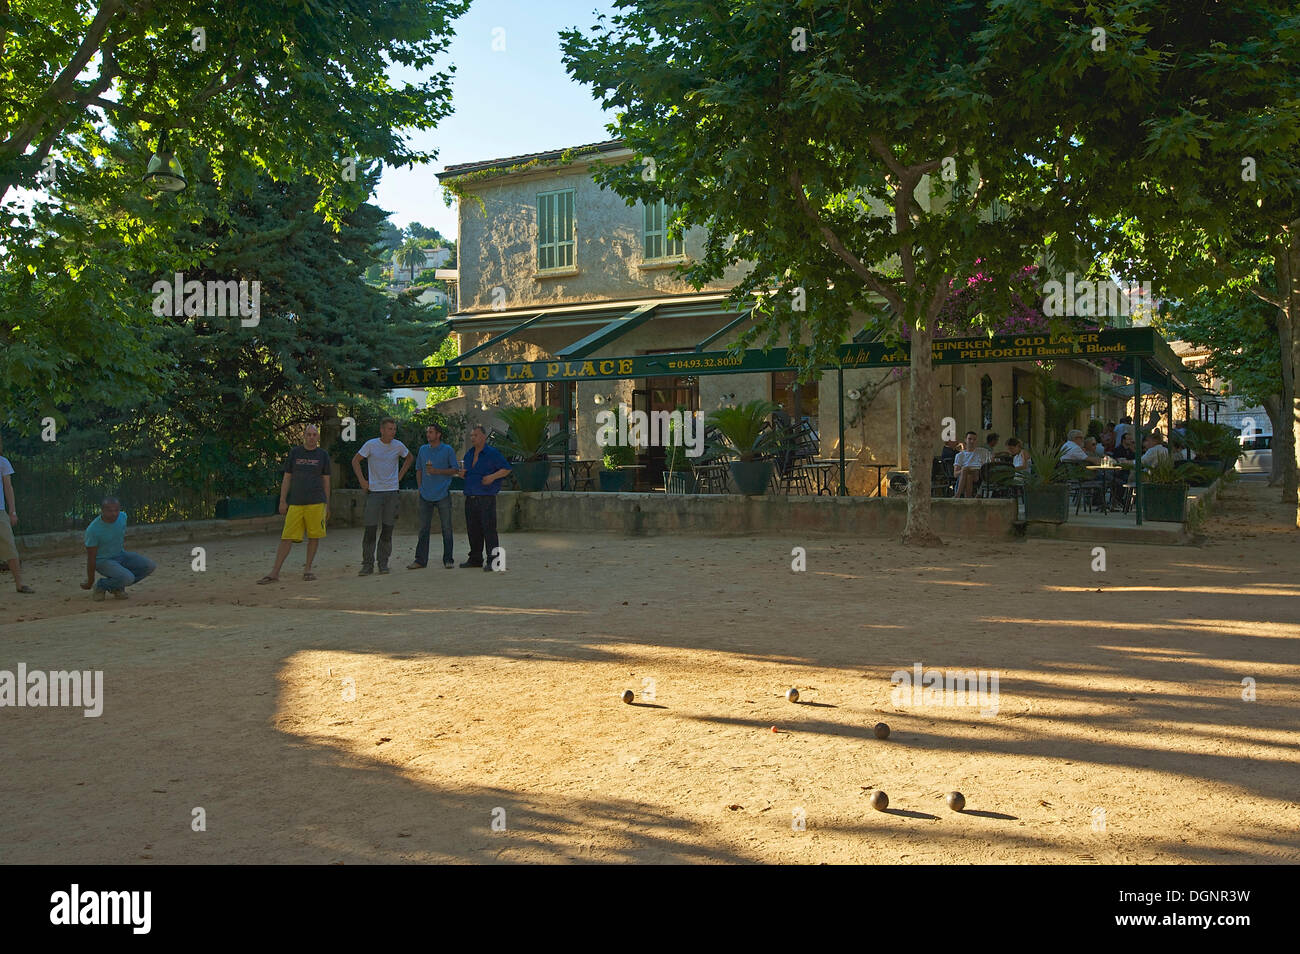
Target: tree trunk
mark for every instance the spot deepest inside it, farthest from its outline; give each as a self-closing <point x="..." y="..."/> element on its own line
<point x="920" y="439"/>
<point x="1281" y="434"/>
<point x="1288" y="283"/>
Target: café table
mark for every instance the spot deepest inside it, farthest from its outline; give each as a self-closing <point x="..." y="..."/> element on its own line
<point x="823" y="472"/>
<point x="880" y="468"/>
<point x="1107" y="472"/>
<point x="583" y="478"/>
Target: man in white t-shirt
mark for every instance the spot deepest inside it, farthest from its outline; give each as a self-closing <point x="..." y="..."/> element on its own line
<point x="9" y="519"/>
<point x="966" y="465"/>
<point x="1072" y="451"/>
<point x="382" y="454"/>
<point x="1154" y="450"/>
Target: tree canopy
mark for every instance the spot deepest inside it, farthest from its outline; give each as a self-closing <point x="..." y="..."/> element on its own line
<point x="851" y="156"/>
<point x="293" y="92"/>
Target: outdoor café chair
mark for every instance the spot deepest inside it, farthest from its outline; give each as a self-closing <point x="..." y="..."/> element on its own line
<point x="997" y="480"/>
<point x="790" y="473"/>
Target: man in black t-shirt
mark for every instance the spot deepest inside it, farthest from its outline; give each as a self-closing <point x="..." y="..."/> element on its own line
<point x="304" y="499"/>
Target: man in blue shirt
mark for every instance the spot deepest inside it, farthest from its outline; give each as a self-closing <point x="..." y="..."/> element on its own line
<point x="484" y="468"/>
<point x="435" y="466"/>
<point x="105" y="552"/>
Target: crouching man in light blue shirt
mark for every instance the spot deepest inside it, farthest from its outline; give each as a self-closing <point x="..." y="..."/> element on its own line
<point x="106" y="553"/>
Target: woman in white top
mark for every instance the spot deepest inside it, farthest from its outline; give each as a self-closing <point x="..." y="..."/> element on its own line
<point x="1019" y="453"/>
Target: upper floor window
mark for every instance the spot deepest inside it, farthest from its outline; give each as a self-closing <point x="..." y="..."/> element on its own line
<point x="657" y="242"/>
<point x="555" y="230"/>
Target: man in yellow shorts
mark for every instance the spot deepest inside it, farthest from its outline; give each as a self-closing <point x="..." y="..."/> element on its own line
<point x="304" y="499"/>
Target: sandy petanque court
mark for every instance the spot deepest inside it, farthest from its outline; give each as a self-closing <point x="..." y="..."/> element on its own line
<point x="454" y="715"/>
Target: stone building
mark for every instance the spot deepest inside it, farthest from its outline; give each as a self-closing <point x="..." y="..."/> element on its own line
<point x="538" y="237"/>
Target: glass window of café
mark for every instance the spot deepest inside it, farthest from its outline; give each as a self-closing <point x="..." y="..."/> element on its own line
<point x="797" y="400"/>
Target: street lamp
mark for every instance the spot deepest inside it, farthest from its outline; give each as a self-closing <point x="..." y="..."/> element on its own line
<point x="164" y="173"/>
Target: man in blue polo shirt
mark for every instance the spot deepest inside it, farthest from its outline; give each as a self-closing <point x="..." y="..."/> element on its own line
<point x="106" y="552"/>
<point x="484" y="468"/>
<point x="435" y="466"/>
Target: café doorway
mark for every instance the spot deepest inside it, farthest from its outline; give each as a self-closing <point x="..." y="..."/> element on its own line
<point x="674" y="393"/>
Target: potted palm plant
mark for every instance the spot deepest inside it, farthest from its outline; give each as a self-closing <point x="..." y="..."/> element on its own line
<point x="528" y="440"/>
<point x="744" y="438"/>
<point x="1215" y="445"/>
<point x="616" y="456"/>
<point x="1047" y="495"/>
<point x="1164" y="492"/>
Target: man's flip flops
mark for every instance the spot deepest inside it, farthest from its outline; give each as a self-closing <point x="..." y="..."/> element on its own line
<point x="267" y="579"/>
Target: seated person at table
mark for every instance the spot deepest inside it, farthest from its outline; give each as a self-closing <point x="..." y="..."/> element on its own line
<point x="1093" y="448"/>
<point x="1125" y="426"/>
<point x="1125" y="450"/>
<point x="1108" y="438"/>
<point x="991" y="446"/>
<point x="1180" y="451"/>
<point x="950" y="450"/>
<point x="1153" y="450"/>
<point x="1072" y="451"/>
<point x="1018" y="452"/>
<point x="966" y="466"/>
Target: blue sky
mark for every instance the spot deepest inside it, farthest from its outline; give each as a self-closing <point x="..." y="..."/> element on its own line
<point x="507" y="102"/>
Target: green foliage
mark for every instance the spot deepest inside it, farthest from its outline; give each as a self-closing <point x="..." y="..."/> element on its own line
<point x="446" y="351"/>
<point x="742" y="431"/>
<point x="1210" y="441"/>
<point x="846" y="169"/>
<point x="417" y="231"/>
<point x="618" y="455"/>
<point x="1239" y="329"/>
<point x="1163" y="472"/>
<point x="1062" y="404"/>
<point x="281" y="90"/>
<point x="1045" y="469"/>
<point x="528" y="434"/>
<point x="287" y="88"/>
<point x="410" y="256"/>
<point x="861" y="169"/>
<point x="322" y="330"/>
<point x="1198" y="475"/>
<point x="462" y="186"/>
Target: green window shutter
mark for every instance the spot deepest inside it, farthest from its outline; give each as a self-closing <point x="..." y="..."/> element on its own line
<point x="541" y="232"/>
<point x="657" y="243"/>
<point x="566" y="221"/>
<point x="555" y="242"/>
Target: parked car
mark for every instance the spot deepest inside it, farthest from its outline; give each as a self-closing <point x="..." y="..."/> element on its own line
<point x="1257" y="455"/>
